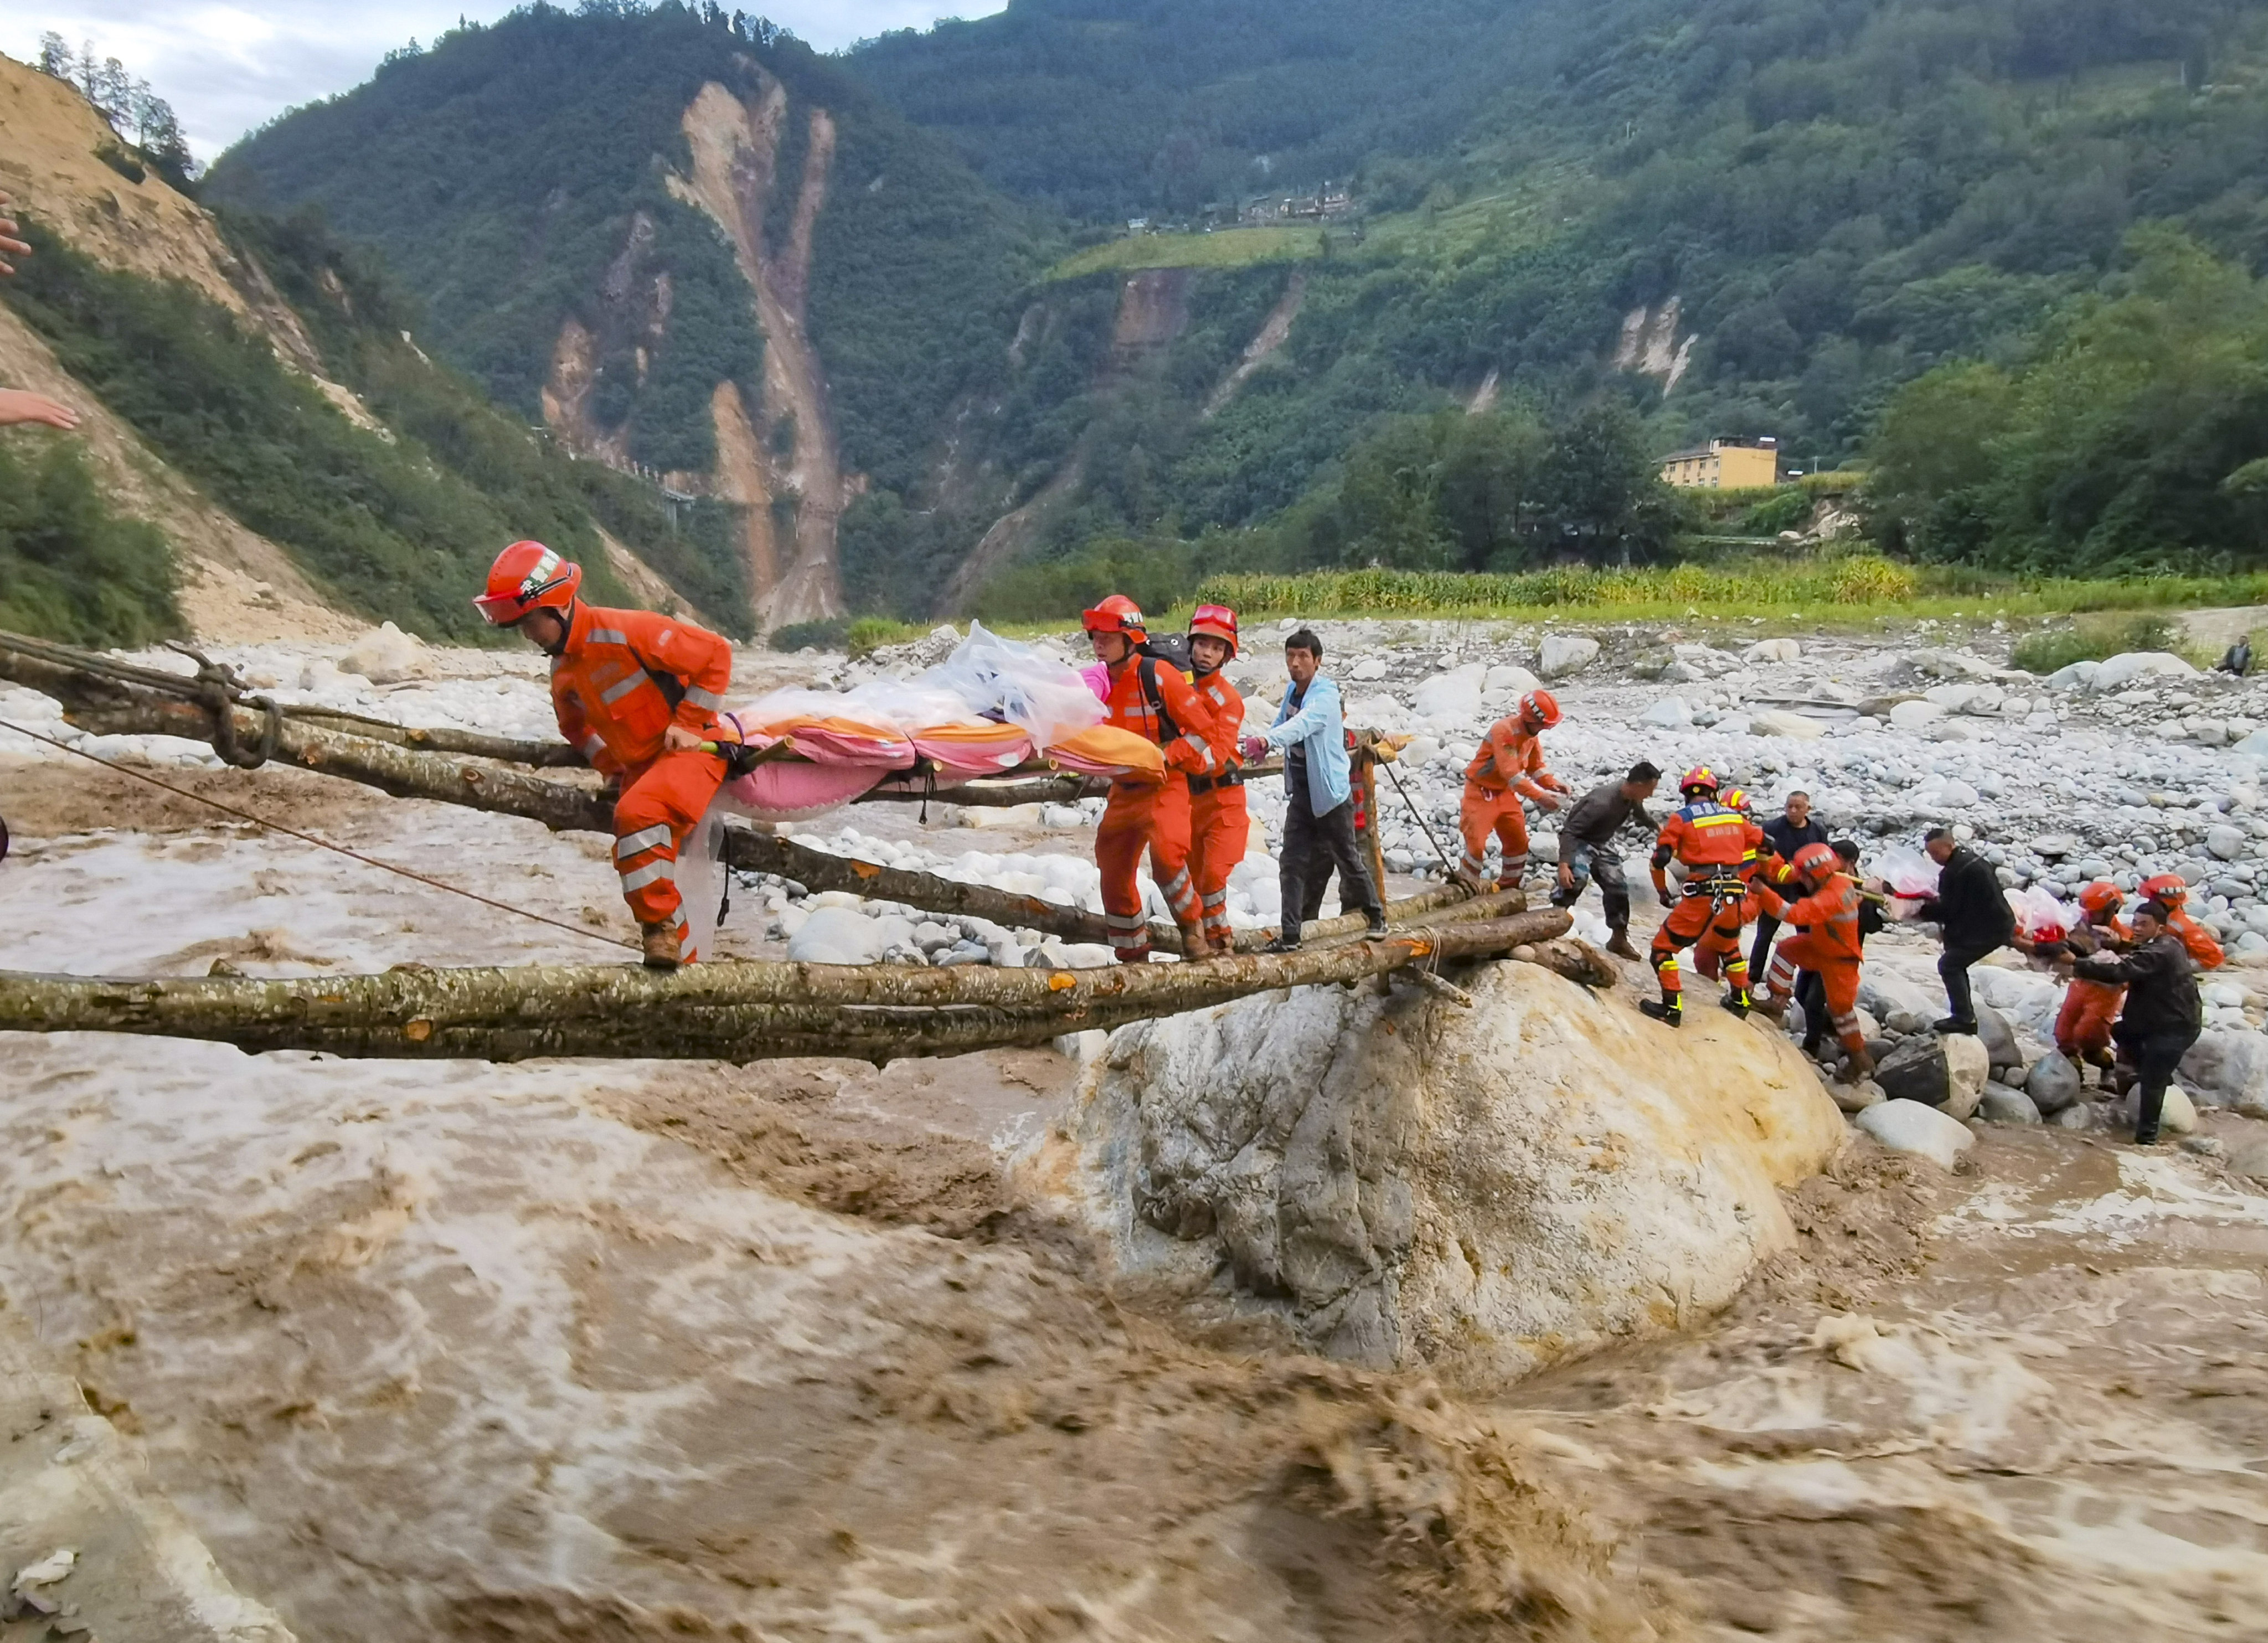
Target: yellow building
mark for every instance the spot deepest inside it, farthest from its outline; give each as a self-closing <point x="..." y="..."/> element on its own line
<point x="1724" y="465"/>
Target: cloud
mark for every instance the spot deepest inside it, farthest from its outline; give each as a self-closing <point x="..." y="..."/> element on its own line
<point x="228" y="68"/>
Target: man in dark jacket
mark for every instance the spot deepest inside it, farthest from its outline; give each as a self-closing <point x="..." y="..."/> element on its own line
<point x="1785" y="833"/>
<point x="1974" y="916"/>
<point x="1587" y="848"/>
<point x="2162" y="1014"/>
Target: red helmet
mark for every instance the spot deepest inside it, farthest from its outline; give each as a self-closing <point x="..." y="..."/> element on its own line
<point x="528" y="576"/>
<point x="1540" y="708"/>
<point x="1814" y="860"/>
<point x="1700" y="779"/>
<point x="1118" y="614"/>
<point x="1734" y="799"/>
<point x="1213" y="621"/>
<point x="2169" y="887"/>
<point x="2102" y="896"/>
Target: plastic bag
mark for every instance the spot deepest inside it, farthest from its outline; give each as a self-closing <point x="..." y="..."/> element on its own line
<point x="2039" y="915"/>
<point x="998" y="677"/>
<point x="1907" y="871"/>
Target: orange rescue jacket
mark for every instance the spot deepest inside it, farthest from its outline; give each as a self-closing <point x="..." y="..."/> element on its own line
<point x="1511" y="757"/>
<point x="1226" y="704"/>
<point x="625" y="676"/>
<point x="1830" y="912"/>
<point x="2199" y="939"/>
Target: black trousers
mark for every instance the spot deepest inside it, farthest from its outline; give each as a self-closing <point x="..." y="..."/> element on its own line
<point x="1760" y="954"/>
<point x="1954" y="968"/>
<point x="2155" y="1056"/>
<point x="1312" y="846"/>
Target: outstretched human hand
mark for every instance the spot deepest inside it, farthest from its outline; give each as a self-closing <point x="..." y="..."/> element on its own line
<point x="10" y="246"/>
<point x="20" y="405"/>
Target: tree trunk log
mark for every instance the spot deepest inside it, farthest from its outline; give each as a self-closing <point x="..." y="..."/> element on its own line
<point x="710" y="1011"/>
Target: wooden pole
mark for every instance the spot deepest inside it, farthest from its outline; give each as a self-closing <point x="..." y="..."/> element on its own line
<point x="733" y="1012"/>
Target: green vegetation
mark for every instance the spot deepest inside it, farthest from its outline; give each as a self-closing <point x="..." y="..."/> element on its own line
<point x="516" y="176"/>
<point x="856" y="636"/>
<point x="71" y="568"/>
<point x="1828" y="590"/>
<point x="2134" y="431"/>
<point x="400" y="523"/>
<point x="1227" y="248"/>
<point x="2093" y="639"/>
<point x="1155" y="576"/>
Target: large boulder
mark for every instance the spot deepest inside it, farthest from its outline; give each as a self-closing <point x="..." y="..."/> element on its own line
<point x="1905" y="1126"/>
<point x="2053" y="1084"/>
<point x="1455" y="695"/>
<point x="2001" y="1050"/>
<point x="1507" y="679"/>
<point x="1772" y="651"/>
<point x="2229" y="1067"/>
<point x="386" y="655"/>
<point x="1999" y="1104"/>
<point x="1947" y="1072"/>
<point x="2124" y="669"/>
<point x="1411" y="1181"/>
<point x="2026" y="1000"/>
<point x="1772" y="721"/>
<point x="1564" y="654"/>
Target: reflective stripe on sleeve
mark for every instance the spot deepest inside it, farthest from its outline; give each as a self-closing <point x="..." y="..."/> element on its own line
<point x="645" y="838"/>
<point x="593" y="746"/>
<point x="621" y="688"/>
<point x="648" y="874"/>
<point x="699" y="697"/>
<point x="606" y="636"/>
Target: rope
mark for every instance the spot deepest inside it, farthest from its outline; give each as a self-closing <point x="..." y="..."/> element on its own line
<point x="323" y="843"/>
<point x="1387" y="766"/>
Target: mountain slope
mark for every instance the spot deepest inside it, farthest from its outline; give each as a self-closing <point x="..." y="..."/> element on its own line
<point x="252" y="390"/>
<point x="685" y="246"/>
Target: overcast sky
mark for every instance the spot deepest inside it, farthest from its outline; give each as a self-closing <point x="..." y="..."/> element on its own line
<point x="226" y="68"/>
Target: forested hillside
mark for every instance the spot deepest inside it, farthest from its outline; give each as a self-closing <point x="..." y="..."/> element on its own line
<point x="252" y="389"/>
<point x="1579" y="235"/>
<point x="610" y="216"/>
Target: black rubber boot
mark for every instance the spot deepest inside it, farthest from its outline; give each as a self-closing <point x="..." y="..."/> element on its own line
<point x="1954" y="1024"/>
<point x="1737" y="1002"/>
<point x="1668" y="1014"/>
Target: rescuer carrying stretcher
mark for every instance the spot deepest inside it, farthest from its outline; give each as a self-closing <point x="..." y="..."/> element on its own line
<point x="1149" y="696"/>
<point x="639" y="695"/>
<point x="1712" y="842"/>
<point x="1220" y="825"/>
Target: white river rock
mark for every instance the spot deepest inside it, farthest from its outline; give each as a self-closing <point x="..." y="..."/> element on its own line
<point x="1413" y="1181"/>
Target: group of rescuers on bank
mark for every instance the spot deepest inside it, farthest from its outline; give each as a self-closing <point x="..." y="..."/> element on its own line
<point x="642" y="697"/>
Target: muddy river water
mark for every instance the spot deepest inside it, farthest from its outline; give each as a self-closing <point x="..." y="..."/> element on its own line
<point x="796" y="1351"/>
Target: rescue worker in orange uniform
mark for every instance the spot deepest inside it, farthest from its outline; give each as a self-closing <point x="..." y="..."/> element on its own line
<point x="638" y="693"/>
<point x="2172" y="890"/>
<point x="1508" y="768"/>
<point x="1713" y="842"/>
<point x="1717" y="949"/>
<point x="1149" y="696"/>
<point x="1827" y="945"/>
<point x="1220" y="825"/>
<point x="2082" y="1028"/>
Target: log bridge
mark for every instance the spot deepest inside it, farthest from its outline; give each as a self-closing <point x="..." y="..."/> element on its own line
<point x="732" y="1011"/>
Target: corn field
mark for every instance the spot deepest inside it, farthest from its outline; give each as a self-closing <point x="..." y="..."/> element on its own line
<point x="1854" y="579"/>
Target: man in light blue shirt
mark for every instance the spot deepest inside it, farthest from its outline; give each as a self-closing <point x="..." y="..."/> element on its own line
<point x="1318" y="816"/>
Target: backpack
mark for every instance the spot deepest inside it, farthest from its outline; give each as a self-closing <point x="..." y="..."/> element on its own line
<point x="1171" y="647"/>
<point x="1151" y="654"/>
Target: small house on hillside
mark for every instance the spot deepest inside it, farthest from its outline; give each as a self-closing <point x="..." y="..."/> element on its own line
<point x="1724" y="465"/>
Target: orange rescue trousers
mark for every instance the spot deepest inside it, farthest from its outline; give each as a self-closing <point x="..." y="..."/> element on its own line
<point x="1139" y="816"/>
<point x="1483" y="813"/>
<point x="1717" y="924"/>
<point x="662" y="802"/>
<point x="2082" y="1028"/>
<point x="1220" y="831"/>
<point x="1838" y="974"/>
